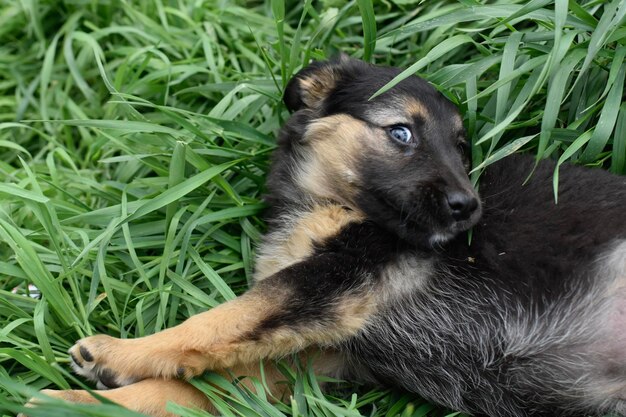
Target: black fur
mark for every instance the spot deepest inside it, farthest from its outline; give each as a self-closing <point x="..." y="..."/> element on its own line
<point x="529" y="260"/>
<point x="519" y="322"/>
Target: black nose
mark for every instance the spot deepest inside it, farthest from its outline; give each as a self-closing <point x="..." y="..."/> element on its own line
<point x="461" y="205"/>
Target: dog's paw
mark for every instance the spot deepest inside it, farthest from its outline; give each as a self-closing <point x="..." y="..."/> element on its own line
<point x="97" y="358"/>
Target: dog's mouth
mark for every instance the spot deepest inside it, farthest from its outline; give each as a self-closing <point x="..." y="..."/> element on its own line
<point x="421" y="226"/>
<point x="403" y="215"/>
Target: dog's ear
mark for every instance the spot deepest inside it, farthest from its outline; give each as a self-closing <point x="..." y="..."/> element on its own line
<point x="311" y="85"/>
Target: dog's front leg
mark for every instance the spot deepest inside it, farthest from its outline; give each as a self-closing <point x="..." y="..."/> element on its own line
<point x="320" y="301"/>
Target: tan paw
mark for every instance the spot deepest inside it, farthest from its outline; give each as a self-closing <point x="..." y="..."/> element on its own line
<point x="96" y="359"/>
<point x="113" y="363"/>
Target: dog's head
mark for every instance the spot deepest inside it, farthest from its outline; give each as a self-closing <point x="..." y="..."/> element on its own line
<point x="400" y="158"/>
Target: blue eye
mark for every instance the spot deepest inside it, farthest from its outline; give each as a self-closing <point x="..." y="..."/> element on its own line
<point x="401" y="133"/>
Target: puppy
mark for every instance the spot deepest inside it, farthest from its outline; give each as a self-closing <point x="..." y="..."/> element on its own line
<point x="367" y="261"/>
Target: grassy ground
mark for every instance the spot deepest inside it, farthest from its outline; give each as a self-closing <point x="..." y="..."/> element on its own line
<point x="134" y="141"/>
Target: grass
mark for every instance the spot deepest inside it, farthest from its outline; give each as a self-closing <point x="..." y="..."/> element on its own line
<point x="135" y="136"/>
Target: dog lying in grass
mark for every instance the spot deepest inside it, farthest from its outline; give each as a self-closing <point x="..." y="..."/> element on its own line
<point x="367" y="266"/>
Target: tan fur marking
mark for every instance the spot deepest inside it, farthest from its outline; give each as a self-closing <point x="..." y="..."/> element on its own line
<point x="316" y="88"/>
<point x="385" y="116"/>
<point x="416" y="108"/>
<point x="406" y="109"/>
<point x="294" y="243"/>
<point x="355" y="311"/>
<point x="335" y="144"/>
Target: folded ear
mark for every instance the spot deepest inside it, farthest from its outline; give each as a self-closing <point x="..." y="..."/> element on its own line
<point x="311" y="85"/>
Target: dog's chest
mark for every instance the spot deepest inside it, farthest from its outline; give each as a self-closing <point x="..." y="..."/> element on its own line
<point x="295" y="238"/>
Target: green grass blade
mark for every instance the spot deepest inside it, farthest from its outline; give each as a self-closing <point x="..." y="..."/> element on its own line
<point x="438" y="51"/>
<point x="366" y="7"/>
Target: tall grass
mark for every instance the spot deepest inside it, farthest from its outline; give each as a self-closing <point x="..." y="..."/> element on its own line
<point x="134" y="142"/>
